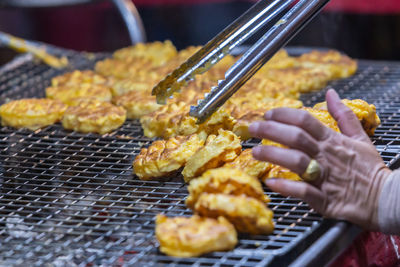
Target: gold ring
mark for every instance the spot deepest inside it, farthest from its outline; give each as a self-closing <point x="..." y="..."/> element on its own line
<point x="312" y="172"/>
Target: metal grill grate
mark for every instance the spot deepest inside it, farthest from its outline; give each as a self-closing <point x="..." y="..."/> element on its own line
<point x="71" y="199"/>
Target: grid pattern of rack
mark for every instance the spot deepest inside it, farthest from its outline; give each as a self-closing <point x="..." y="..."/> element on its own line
<point x="71" y="199"/>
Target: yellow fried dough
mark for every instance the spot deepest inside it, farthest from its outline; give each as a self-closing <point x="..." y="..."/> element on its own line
<point x="31" y="113"/>
<point x="78" y="77"/>
<point x="164" y="157"/>
<point x="247" y="214"/>
<point x="84" y="90"/>
<point x="194" y="236"/>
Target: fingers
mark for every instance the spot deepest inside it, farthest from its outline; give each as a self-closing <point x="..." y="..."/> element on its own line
<point x="288" y="135"/>
<point x="347" y="121"/>
<point x="299" y="118"/>
<point x="294" y="160"/>
<point x="302" y="190"/>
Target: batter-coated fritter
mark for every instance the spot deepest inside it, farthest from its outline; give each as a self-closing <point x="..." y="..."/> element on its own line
<point x="323" y="116"/>
<point x="280" y="60"/>
<point x="247" y="214"/>
<point x="250" y="111"/>
<point x="93" y="116"/>
<point x="225" y="180"/>
<point x="280" y="172"/>
<point x="300" y="79"/>
<point x="250" y="165"/>
<point x="194" y="236"/>
<point x="334" y="63"/>
<point x="218" y="150"/>
<point x="157" y="52"/>
<point x="365" y="112"/>
<point x="85" y="90"/>
<point x="173" y="119"/>
<point x="164" y="157"/>
<point x="125" y="68"/>
<point x="78" y="77"/>
<point x="31" y="113"/>
<point x="137" y="103"/>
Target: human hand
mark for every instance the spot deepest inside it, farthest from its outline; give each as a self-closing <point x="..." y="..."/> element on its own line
<point x="352" y="172"/>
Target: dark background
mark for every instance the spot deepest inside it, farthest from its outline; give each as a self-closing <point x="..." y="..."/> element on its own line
<point x="98" y="27"/>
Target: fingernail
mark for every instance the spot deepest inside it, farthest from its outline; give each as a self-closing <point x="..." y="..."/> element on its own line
<point x="253" y="128"/>
<point x="333" y="93"/>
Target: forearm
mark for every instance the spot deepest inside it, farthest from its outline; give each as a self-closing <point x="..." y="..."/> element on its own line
<point x="389" y="205"/>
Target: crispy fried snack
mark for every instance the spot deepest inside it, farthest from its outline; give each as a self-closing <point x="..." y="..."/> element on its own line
<point x="78" y="77"/>
<point x="332" y="62"/>
<point x="143" y="82"/>
<point x="247" y="214"/>
<point x="365" y="112"/>
<point x="250" y="165"/>
<point x="217" y="150"/>
<point x="165" y="157"/>
<point x="93" y="116"/>
<point x="84" y="90"/>
<point x="324" y="117"/>
<point x="225" y="180"/>
<point x="250" y="111"/>
<point x="194" y="236"/>
<point x="300" y="79"/>
<point x="139" y="68"/>
<point x="280" y="172"/>
<point x="137" y="103"/>
<point x="173" y="119"/>
<point x="157" y="53"/>
<point x="280" y="60"/>
<point x="31" y="113"/>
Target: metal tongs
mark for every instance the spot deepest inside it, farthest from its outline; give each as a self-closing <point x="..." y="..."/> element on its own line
<point x="235" y="34"/>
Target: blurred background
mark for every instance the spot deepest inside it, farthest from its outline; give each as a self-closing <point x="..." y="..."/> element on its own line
<point x="366" y="29"/>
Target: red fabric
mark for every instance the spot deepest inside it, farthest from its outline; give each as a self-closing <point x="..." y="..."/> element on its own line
<point x="371" y="249"/>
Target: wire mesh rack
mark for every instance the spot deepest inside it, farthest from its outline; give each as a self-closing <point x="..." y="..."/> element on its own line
<point x="70" y="199"/>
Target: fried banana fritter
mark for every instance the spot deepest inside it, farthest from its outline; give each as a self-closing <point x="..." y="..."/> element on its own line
<point x="280" y="60"/>
<point x="173" y="119"/>
<point x="365" y="112"/>
<point x="137" y="103"/>
<point x="247" y="214"/>
<point x="84" y="90"/>
<point x="164" y="157"/>
<point x="299" y="79"/>
<point x="280" y="172"/>
<point x="218" y="149"/>
<point x="332" y="62"/>
<point x="324" y="117"/>
<point x="157" y="52"/>
<point x="93" y="116"/>
<point x="31" y="113"/>
<point x="125" y="68"/>
<point x="194" y="236"/>
<point x="250" y="165"/>
<point x="250" y="111"/>
<point x="78" y="77"/>
<point x="225" y="180"/>
<point x="138" y="83"/>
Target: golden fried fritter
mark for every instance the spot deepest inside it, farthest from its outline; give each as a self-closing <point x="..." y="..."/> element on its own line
<point x="225" y="180"/>
<point x="247" y="214"/>
<point x="323" y="116"/>
<point x="136" y="83"/>
<point x="84" y="90"/>
<point x="332" y="62"/>
<point x="280" y="60"/>
<point x="365" y="112"/>
<point x="250" y="165"/>
<point x="139" y="68"/>
<point x="194" y="236"/>
<point x="250" y="111"/>
<point x="173" y="119"/>
<point x="217" y="150"/>
<point x="93" y="116"/>
<point x="137" y="103"/>
<point x="280" y="172"/>
<point x="31" y="113"/>
<point x="157" y="52"/>
<point x="78" y="77"/>
<point x="300" y="79"/>
<point x="164" y="157"/>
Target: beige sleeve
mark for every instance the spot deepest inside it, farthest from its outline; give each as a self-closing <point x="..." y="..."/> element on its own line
<point x="389" y="205"/>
